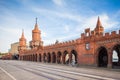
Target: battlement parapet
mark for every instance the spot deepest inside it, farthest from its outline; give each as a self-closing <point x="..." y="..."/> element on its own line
<point x="113" y="33"/>
<point x="61" y="44"/>
<point x="107" y="34"/>
<point x="92" y="33"/>
<point x="82" y="35"/>
<point x="93" y="36"/>
<point x="110" y="35"/>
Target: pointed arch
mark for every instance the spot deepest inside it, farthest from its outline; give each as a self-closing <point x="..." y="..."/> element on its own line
<point x="59" y="57"/>
<point x="116" y="56"/>
<point x="74" y="57"/>
<point x="40" y="58"/>
<point x="44" y="57"/>
<point x="36" y="57"/>
<point x="48" y="57"/>
<point x="53" y="57"/>
<point x="102" y="57"/>
<point x="65" y="57"/>
<point x="33" y="57"/>
<point x="30" y="57"/>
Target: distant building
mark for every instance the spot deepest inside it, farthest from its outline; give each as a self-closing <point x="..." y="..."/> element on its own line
<point x="14" y="48"/>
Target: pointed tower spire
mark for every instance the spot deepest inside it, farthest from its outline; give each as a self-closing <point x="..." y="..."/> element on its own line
<point x="22" y="34"/>
<point x="98" y="25"/>
<point x="36" y="32"/>
<point x="36" y="20"/>
<point x="36" y="26"/>
<point x="22" y="42"/>
<point x="99" y="28"/>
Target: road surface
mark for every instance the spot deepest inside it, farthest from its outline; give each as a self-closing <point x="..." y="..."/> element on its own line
<point x="25" y="70"/>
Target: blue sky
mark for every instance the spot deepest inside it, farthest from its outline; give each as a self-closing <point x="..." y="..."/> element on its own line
<point x="57" y="19"/>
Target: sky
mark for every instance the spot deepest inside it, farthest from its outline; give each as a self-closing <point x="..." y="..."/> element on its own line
<point x="60" y="20"/>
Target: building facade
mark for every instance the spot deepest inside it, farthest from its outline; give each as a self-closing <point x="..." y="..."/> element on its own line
<point x="14" y="48"/>
<point x="93" y="47"/>
<point x="12" y="53"/>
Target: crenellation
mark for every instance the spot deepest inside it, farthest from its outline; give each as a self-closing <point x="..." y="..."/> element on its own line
<point x="113" y="33"/>
<point x="73" y="41"/>
<point x="87" y="32"/>
<point x="107" y="34"/>
<point x="92" y="33"/>
<point x="82" y="35"/>
<point x="69" y="41"/>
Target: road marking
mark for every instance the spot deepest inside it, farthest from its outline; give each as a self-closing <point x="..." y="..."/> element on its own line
<point x="8" y="74"/>
<point x="49" y="75"/>
<point x="82" y="74"/>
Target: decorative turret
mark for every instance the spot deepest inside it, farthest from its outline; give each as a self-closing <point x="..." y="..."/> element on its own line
<point x="22" y="42"/>
<point x="99" y="30"/>
<point x="36" y="37"/>
<point x="36" y="33"/>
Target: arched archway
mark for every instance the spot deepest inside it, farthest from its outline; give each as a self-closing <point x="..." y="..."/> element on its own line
<point x="73" y="58"/>
<point x="59" y="57"/>
<point x="102" y="57"/>
<point x="65" y="57"/>
<point x="44" y="57"/>
<point x="23" y="58"/>
<point x="36" y="57"/>
<point x="32" y="57"/>
<point x="28" y="58"/>
<point x="48" y="58"/>
<point x="116" y="56"/>
<point x="53" y="57"/>
<point x="39" y="57"/>
<point x="15" y="57"/>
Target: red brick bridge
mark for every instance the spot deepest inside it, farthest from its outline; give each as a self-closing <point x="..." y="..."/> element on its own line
<point x="93" y="47"/>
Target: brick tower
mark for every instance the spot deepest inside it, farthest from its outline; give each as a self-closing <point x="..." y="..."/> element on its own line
<point x="99" y="30"/>
<point x="36" y="37"/>
<point x="22" y="43"/>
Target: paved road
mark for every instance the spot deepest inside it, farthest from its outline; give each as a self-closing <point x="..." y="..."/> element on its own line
<point x="25" y="70"/>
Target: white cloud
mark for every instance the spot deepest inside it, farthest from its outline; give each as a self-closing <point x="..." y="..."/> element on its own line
<point x="66" y="27"/>
<point x="13" y="25"/>
<point x="64" y="15"/>
<point x="83" y="22"/>
<point x="7" y="37"/>
<point x="91" y="22"/>
<point x="11" y="29"/>
<point x="58" y="2"/>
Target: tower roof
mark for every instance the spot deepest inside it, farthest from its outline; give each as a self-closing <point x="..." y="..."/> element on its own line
<point x="22" y="40"/>
<point x="98" y="25"/>
<point x="36" y="29"/>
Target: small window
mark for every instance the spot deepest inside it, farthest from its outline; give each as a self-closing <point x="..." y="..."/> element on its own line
<point x="87" y="46"/>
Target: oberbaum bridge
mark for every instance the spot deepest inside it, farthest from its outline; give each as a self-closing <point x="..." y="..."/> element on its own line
<point x="93" y="48"/>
